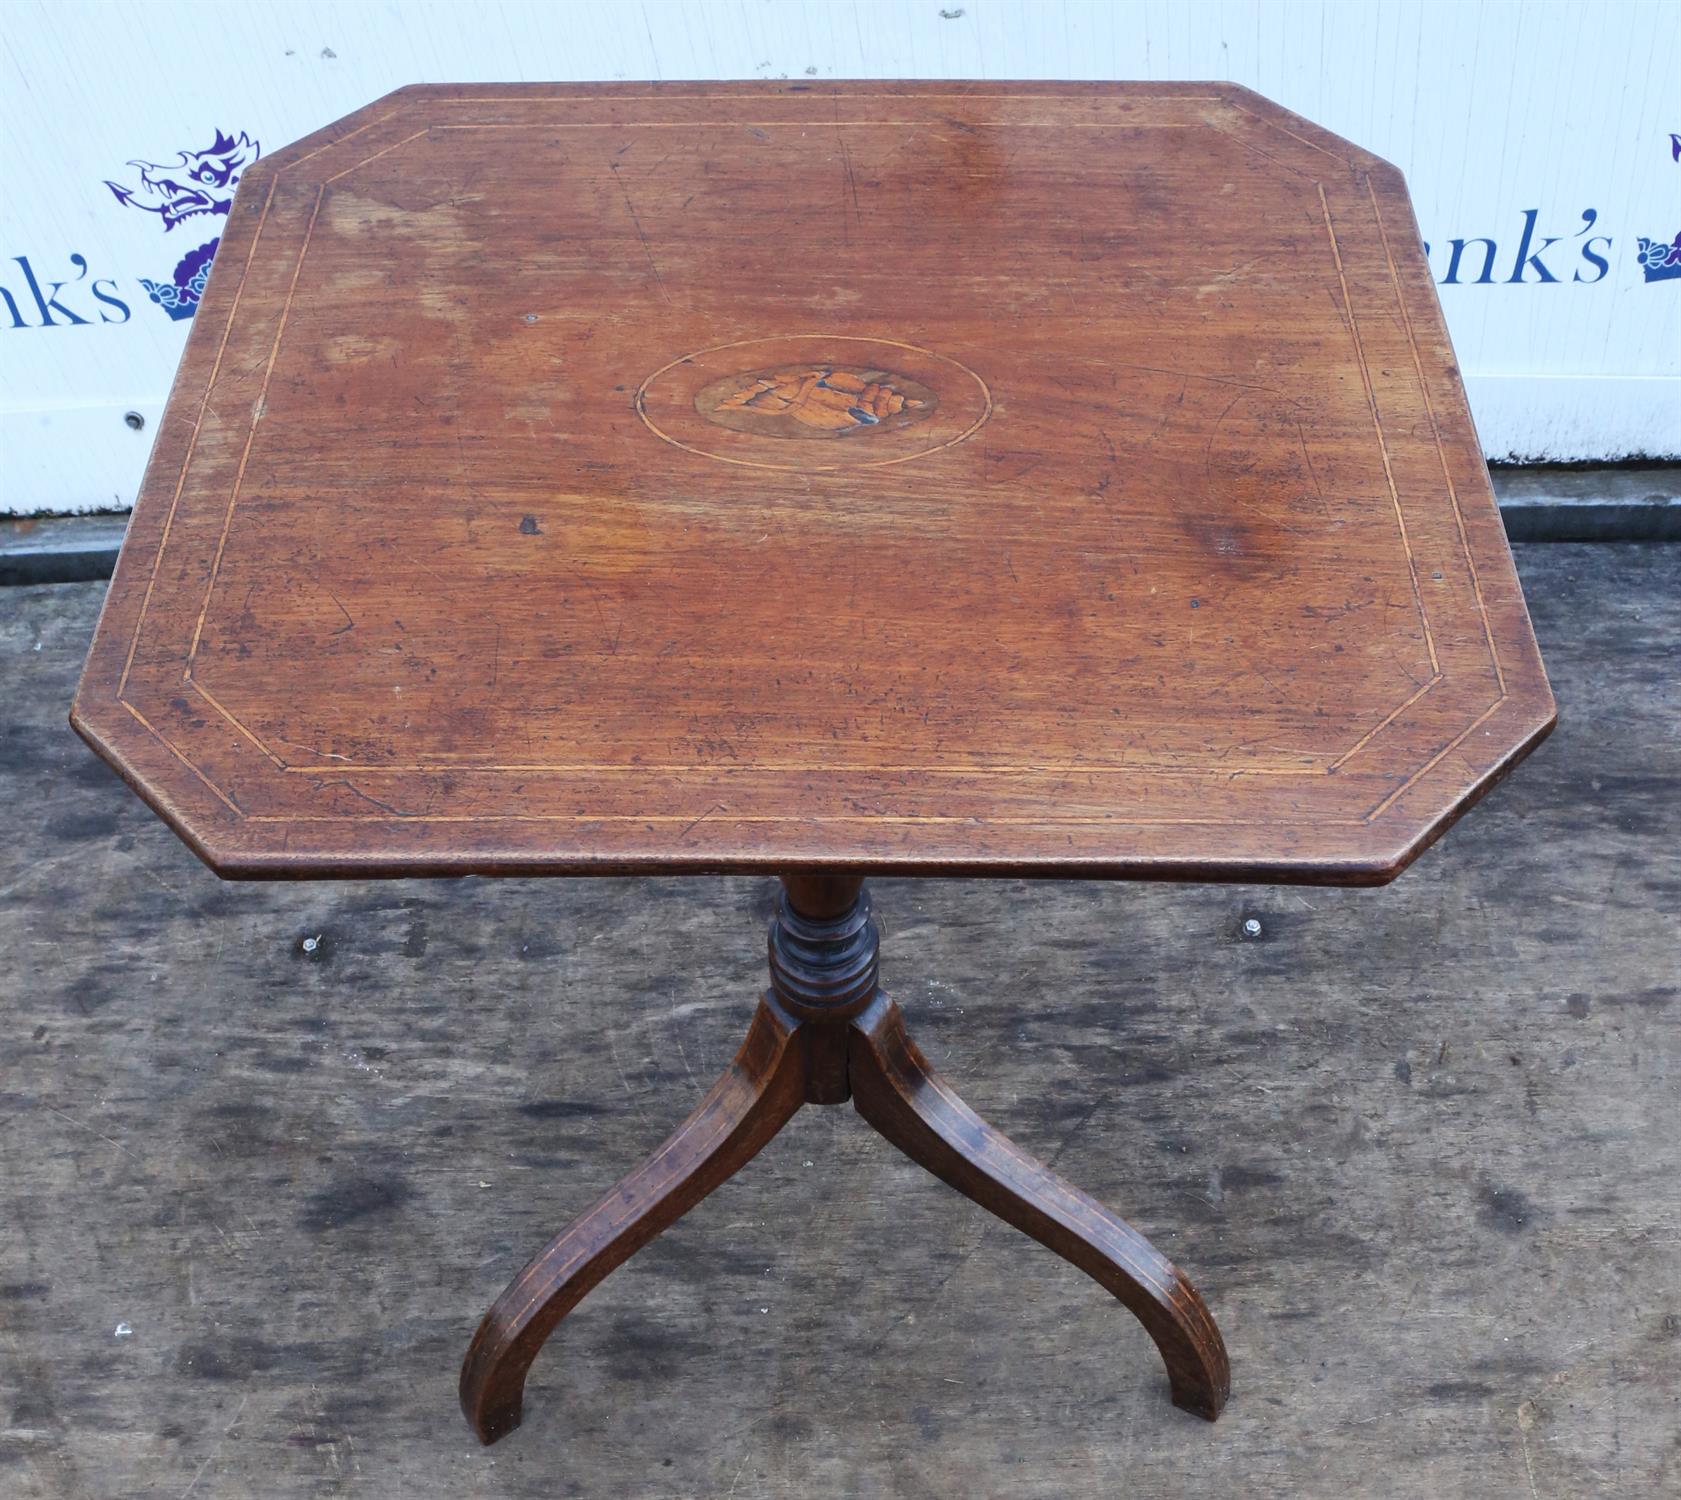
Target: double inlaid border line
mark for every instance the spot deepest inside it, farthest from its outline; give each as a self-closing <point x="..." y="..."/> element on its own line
<point x="344" y="768"/>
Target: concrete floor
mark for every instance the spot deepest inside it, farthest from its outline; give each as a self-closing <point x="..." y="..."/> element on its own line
<point x="1420" y="1148"/>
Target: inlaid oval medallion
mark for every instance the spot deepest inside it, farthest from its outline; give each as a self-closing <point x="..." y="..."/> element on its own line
<point x="814" y="402"/>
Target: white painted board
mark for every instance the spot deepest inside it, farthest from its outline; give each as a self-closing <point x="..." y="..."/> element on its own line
<point x="1536" y="136"/>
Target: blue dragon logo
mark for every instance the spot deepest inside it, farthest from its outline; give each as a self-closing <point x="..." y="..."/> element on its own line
<point x="195" y="184"/>
<point x="1660" y="260"/>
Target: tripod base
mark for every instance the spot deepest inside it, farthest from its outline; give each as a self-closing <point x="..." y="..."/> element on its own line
<point x="825" y="1033"/>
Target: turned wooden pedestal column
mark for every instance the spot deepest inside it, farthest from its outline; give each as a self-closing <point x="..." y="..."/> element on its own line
<point x="824" y="1033"/>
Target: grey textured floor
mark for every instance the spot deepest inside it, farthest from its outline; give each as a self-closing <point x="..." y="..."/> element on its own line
<point x="1420" y="1147"/>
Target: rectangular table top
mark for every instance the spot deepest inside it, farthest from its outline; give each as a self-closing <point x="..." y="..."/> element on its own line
<point x="988" y="478"/>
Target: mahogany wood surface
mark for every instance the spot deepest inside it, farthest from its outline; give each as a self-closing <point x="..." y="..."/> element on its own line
<point x="939" y="477"/>
<point x="759" y="1093"/>
<point x="895" y="1089"/>
<point x="824" y="1033"/>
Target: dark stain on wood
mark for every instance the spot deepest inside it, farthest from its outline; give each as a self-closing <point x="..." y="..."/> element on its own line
<point x="351" y="1199"/>
<point x="1506" y="1209"/>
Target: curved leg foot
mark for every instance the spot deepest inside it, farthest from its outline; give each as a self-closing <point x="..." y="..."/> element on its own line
<point x="902" y="1097"/>
<point x="762" y="1088"/>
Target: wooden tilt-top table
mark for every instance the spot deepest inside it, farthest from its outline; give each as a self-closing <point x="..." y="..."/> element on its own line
<point x="818" y="480"/>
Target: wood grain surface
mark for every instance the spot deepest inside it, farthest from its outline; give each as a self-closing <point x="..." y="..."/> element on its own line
<point x="824" y="1033"/>
<point x="756" y="1096"/>
<point x="929" y="478"/>
<point x="899" y="1093"/>
<point x="271" y="1149"/>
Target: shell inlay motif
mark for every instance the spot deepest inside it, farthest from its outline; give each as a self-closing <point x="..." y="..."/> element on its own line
<point x="833" y="400"/>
